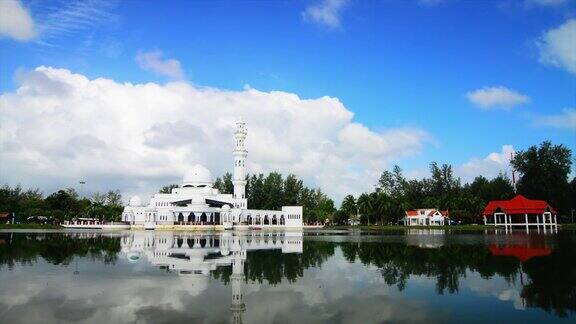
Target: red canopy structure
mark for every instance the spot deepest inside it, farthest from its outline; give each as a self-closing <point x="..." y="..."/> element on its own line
<point x="519" y="211"/>
<point x="521" y="253"/>
<point x="518" y="205"/>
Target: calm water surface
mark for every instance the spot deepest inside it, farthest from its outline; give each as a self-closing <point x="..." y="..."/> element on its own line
<point x="264" y="277"/>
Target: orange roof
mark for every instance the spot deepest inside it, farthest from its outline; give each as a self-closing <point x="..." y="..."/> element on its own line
<point x="520" y="252"/>
<point x="518" y="205"/>
<point x="411" y="213"/>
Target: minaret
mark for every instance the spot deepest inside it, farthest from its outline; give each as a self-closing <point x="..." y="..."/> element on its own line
<point x="237" y="279"/>
<point x="240" y="154"/>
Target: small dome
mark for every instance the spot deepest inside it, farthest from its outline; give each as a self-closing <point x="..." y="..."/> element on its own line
<point x="225" y="208"/>
<point x="133" y="256"/>
<point x="197" y="176"/>
<point x="135" y="201"/>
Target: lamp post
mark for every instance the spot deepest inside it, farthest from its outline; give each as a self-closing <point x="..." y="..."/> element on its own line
<point x="76" y="272"/>
<point x="82" y="183"/>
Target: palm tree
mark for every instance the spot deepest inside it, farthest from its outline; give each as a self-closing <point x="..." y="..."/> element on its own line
<point x="365" y="205"/>
<point x="349" y="205"/>
<point x="381" y="205"/>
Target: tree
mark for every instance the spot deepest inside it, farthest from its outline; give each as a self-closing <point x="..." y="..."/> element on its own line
<point x="98" y="198"/>
<point x="325" y="207"/>
<point x="292" y="188"/>
<point x="340" y="218"/>
<point x="224" y="184"/>
<point x="228" y="186"/>
<point x="544" y="174"/>
<point x="480" y="187"/>
<point x="273" y="191"/>
<point x="380" y="207"/>
<point x="365" y="207"/>
<point x="442" y="181"/>
<point x="572" y="193"/>
<point x="255" y="191"/>
<point x="392" y="183"/>
<point x="113" y="198"/>
<point x="63" y="203"/>
<point x="168" y="189"/>
<point x="349" y="206"/>
<point x="501" y="188"/>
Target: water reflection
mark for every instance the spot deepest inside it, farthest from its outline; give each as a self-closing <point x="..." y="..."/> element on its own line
<point x="287" y="277"/>
<point x="195" y="256"/>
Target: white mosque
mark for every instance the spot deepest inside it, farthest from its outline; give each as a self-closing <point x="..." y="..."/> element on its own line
<point x="196" y="204"/>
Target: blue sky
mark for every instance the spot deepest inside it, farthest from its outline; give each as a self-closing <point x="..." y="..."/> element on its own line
<point x="394" y="64"/>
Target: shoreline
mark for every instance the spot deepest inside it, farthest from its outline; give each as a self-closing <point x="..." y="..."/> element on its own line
<point x="367" y="228"/>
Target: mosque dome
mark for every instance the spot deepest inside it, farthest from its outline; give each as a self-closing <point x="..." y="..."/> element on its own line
<point x="197" y="176"/>
<point x="135" y="201"/>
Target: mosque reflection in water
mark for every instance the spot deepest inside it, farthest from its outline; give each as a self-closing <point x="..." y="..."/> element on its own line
<point x="194" y="256"/>
<point x="233" y="273"/>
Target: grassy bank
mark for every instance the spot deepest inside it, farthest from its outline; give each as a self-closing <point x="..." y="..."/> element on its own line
<point x="571" y="226"/>
<point x="401" y="227"/>
<point x="29" y="226"/>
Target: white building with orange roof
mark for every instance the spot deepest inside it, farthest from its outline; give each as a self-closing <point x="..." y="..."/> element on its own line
<point x="425" y="217"/>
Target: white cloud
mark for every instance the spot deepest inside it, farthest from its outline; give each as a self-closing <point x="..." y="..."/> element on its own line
<point x="59" y="127"/>
<point x="489" y="166"/>
<point x="549" y="3"/>
<point x="15" y="21"/>
<point x="567" y="119"/>
<point x="69" y="18"/>
<point x="558" y="46"/>
<point x="325" y="12"/>
<point x="152" y="61"/>
<point x="496" y="97"/>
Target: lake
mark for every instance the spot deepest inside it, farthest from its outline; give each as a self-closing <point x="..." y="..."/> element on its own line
<point x="411" y="276"/>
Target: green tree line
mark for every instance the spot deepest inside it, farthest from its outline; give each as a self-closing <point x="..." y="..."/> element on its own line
<point x="61" y="205"/>
<point x="543" y="173"/>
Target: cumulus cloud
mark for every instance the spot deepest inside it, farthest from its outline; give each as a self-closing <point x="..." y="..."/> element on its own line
<point x="567" y="119"/>
<point x="325" y="12"/>
<point x="59" y="127"/>
<point x="496" y="97"/>
<point x="558" y="46"/>
<point x="489" y="166"/>
<point x="15" y="21"/>
<point x="153" y="61"/>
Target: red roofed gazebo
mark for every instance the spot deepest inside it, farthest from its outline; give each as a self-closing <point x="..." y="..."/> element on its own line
<point x="521" y="253"/>
<point x="519" y="211"/>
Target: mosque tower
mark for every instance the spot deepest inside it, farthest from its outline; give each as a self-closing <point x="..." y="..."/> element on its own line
<point x="240" y="154"/>
<point x="237" y="280"/>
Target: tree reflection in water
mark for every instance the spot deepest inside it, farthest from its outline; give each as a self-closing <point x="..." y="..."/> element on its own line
<point x="56" y="248"/>
<point x="548" y="281"/>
